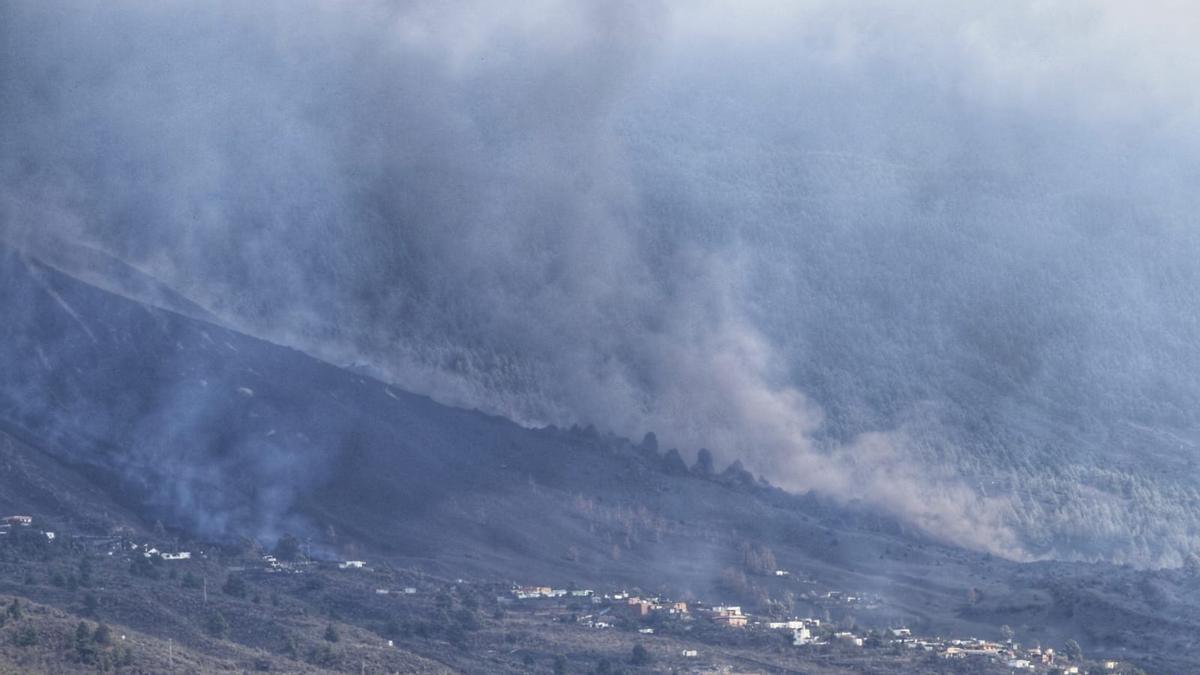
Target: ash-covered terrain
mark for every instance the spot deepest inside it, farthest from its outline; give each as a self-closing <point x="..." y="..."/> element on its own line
<point x="941" y="261"/>
<point x="264" y="445"/>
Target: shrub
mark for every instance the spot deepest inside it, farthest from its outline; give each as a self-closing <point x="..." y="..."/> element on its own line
<point x="85" y="649"/>
<point x="640" y="656"/>
<point x="288" y="548"/>
<point x="758" y="560"/>
<point x="321" y="655"/>
<point x="466" y="619"/>
<point x="234" y="586"/>
<point x="26" y="636"/>
<point x="216" y="625"/>
<point x="91" y="604"/>
<point x="143" y="567"/>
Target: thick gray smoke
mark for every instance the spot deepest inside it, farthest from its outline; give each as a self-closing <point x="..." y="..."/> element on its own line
<point x="940" y="261"/>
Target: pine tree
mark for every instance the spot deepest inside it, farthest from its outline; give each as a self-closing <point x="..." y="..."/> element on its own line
<point x="102" y="635"/>
<point x="217" y="625"/>
<point x="640" y="656"/>
<point x="91" y="605"/>
<point x="85" y="649"/>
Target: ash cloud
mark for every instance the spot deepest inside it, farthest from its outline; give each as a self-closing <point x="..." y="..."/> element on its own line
<point x="939" y="261"/>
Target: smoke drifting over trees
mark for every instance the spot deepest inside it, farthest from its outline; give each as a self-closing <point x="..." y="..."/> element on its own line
<point x="940" y="262"/>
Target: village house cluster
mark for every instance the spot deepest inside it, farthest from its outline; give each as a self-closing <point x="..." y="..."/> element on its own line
<point x="407" y="590"/>
<point x="149" y="551"/>
<point x="1009" y="653"/>
<point x="275" y="566"/>
<point x="611" y="610"/>
<point x="843" y="599"/>
<point x="9" y="522"/>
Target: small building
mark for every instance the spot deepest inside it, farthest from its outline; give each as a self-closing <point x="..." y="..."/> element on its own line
<point x="689" y="653"/>
<point x="782" y="573"/>
<point x="1041" y="655"/>
<point x="637" y="607"/>
<point x="802" y="636"/>
<point x="646" y="631"/>
<point x="23" y="521"/>
<point x="409" y="590"/>
<point x="849" y="638"/>
<point x="351" y="564"/>
<point x="528" y="592"/>
<point x="1020" y="664"/>
<point x="182" y="555"/>
<point x="730" y="616"/>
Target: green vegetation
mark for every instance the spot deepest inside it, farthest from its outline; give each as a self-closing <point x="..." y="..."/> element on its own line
<point x="640" y="656"/>
<point x="216" y="625"/>
<point x="234" y="586"/>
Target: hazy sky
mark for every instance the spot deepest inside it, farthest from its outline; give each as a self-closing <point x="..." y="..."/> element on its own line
<point x="845" y="242"/>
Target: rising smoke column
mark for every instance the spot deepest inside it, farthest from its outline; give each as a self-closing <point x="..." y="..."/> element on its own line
<point x="924" y="260"/>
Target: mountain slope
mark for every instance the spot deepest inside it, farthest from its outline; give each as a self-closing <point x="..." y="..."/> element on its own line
<point x="145" y="414"/>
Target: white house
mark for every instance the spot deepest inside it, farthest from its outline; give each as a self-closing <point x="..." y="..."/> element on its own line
<point x="352" y="564"/>
<point x="182" y="555"/>
<point x="849" y="638"/>
<point x="801" y="636"/>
